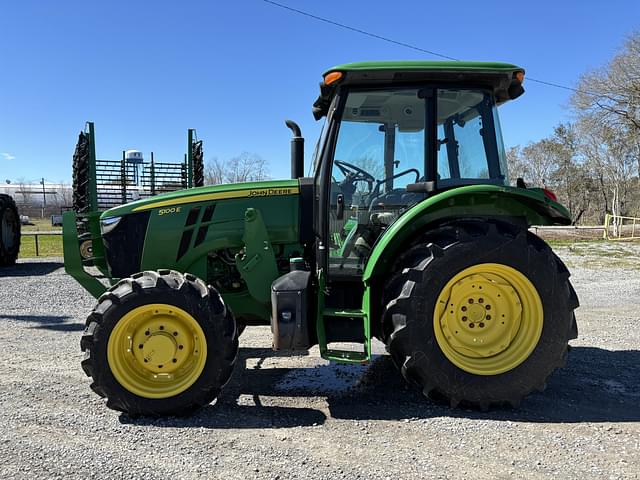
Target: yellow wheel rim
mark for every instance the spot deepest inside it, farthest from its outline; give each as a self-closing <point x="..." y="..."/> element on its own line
<point x="488" y="319"/>
<point x="157" y="351"/>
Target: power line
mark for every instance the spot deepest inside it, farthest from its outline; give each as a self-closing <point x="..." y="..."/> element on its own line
<point x="403" y="44"/>
<point x="357" y="30"/>
<point x="557" y="85"/>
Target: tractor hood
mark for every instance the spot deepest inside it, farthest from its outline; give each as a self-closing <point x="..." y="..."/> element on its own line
<point x="191" y="196"/>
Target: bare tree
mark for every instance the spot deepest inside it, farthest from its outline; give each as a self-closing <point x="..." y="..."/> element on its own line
<point x="64" y="195"/>
<point x="593" y="164"/>
<point x="516" y="164"/>
<point x="612" y="94"/>
<point x="539" y="160"/>
<point x="611" y="159"/>
<point x="247" y="167"/>
<point x="24" y="191"/>
<point x="214" y="172"/>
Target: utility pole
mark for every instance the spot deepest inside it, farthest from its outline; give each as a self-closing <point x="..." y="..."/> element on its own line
<point x="44" y="197"/>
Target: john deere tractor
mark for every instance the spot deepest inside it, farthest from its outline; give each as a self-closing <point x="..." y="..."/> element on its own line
<point x="407" y="232"/>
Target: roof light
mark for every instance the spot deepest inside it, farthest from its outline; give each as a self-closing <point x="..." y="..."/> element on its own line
<point x="519" y="76"/>
<point x="549" y="194"/>
<point x="332" y="77"/>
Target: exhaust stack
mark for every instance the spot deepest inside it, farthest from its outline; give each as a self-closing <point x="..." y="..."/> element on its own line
<point x="297" y="150"/>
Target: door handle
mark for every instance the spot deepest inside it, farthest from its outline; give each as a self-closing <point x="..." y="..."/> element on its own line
<point x="340" y="207"/>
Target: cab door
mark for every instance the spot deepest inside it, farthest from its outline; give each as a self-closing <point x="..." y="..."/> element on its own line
<point x="378" y="150"/>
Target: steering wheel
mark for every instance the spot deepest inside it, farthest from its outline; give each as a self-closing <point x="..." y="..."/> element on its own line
<point x="354" y="173"/>
<point x="376" y="195"/>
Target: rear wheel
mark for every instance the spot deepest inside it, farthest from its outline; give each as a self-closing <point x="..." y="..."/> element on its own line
<point x="479" y="313"/>
<point x="9" y="231"/>
<point x="159" y="343"/>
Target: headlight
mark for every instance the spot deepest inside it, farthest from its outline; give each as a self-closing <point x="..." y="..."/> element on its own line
<point x="108" y="224"/>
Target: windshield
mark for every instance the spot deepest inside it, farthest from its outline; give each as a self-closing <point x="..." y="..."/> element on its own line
<point x="383" y="133"/>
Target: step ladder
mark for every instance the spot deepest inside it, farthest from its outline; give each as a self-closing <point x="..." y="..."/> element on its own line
<point x="347" y="315"/>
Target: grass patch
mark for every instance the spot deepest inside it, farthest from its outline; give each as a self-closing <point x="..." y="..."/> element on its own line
<point x="48" y="246"/>
<point x="599" y="254"/>
<point x="569" y="243"/>
<point x="40" y="225"/>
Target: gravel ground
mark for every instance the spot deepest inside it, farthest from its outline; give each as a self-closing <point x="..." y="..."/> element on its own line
<point x="300" y="417"/>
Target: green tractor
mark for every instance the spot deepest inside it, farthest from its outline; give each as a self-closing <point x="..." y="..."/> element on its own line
<point x="9" y="231"/>
<point x="407" y="232"/>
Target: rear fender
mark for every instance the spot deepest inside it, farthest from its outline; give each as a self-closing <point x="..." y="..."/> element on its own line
<point x="530" y="206"/>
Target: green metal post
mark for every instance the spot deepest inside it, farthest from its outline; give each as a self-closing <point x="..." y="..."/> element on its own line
<point x="153" y="176"/>
<point x="184" y="172"/>
<point x="93" y="188"/>
<point x="123" y="179"/>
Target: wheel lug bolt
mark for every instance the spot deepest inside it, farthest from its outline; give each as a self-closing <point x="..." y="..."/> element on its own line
<point x="464" y="309"/>
<point x="471" y="325"/>
<point x="481" y="325"/>
<point x="175" y="334"/>
<point x="488" y="317"/>
<point x="147" y="332"/>
<point x="481" y="300"/>
<point x="464" y="319"/>
<point x="180" y="347"/>
<point x="488" y="307"/>
<point x="471" y="300"/>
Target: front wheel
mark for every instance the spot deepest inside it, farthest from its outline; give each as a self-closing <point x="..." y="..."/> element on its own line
<point x="479" y="313"/>
<point x="159" y="343"/>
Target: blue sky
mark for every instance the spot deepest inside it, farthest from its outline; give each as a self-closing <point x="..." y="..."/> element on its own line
<point x="144" y="72"/>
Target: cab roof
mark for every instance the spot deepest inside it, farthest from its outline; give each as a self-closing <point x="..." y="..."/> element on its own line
<point x="502" y="78"/>
<point x="427" y="66"/>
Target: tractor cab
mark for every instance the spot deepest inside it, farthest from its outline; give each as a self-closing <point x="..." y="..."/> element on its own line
<point x="396" y="133"/>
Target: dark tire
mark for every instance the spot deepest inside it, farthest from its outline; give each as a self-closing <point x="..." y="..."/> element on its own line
<point x="80" y="174"/>
<point x="9" y="231"/>
<point x="240" y="327"/>
<point x="425" y="271"/>
<point x="197" y="156"/>
<point x="171" y="289"/>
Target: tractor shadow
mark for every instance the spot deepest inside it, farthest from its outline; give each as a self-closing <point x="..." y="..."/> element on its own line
<point x="228" y="412"/>
<point x="26" y="268"/>
<point x="58" y="323"/>
<point x="598" y="385"/>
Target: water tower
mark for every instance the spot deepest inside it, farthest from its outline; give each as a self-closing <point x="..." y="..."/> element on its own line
<point x="134" y="159"/>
